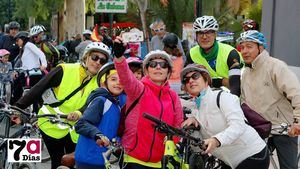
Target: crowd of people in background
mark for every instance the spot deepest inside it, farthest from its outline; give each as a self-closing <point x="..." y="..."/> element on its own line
<point x="104" y="87"/>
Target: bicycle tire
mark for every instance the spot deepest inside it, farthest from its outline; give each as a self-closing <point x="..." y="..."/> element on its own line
<point x="36" y="134"/>
<point x="196" y="161"/>
<point x="27" y="166"/>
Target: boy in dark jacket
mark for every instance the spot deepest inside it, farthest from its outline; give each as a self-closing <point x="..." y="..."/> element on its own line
<point x="100" y="120"/>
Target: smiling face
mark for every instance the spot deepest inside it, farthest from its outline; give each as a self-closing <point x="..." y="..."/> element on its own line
<point x="206" y="39"/>
<point x="94" y="63"/>
<point x="113" y="84"/>
<point x="157" y="70"/>
<point x="195" y="83"/>
<point x="250" y="50"/>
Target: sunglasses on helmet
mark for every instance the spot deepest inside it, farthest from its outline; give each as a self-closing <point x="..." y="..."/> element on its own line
<point x="153" y="64"/>
<point x="95" y="58"/>
<point x="194" y="76"/>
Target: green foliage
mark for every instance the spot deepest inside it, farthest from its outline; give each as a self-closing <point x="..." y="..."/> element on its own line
<point x="37" y="8"/>
<point x="255" y="12"/>
<point x="6" y="12"/>
<point x="90" y="7"/>
<point x="173" y="15"/>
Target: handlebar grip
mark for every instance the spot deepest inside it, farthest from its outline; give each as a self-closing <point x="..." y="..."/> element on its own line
<point x="154" y="119"/>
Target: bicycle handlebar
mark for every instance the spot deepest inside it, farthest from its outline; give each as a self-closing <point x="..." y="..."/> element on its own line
<point x="8" y="109"/>
<point x="166" y="128"/>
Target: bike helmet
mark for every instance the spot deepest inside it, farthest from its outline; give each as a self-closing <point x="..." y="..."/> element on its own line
<point x="35" y="30"/>
<point x="170" y="40"/>
<point x="63" y="51"/>
<point x="205" y="23"/>
<point x="252" y="36"/>
<point x="4" y="52"/>
<point x="104" y="72"/>
<point x="14" y="25"/>
<point x="134" y="61"/>
<point x="155" y="55"/>
<point x="22" y="35"/>
<point x="250" y="24"/>
<point x="87" y="32"/>
<point x="196" y="67"/>
<point x="97" y="46"/>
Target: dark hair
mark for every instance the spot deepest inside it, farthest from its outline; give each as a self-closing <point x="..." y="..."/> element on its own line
<point x="173" y="52"/>
<point x="135" y="68"/>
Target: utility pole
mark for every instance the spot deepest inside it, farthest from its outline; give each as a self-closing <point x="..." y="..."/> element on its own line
<point x="198" y="7"/>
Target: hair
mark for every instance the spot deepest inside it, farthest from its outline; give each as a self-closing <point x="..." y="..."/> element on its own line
<point x="25" y="40"/>
<point x="135" y="68"/>
<point x="173" y="52"/>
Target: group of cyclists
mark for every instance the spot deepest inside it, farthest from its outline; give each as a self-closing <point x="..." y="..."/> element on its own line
<point x="105" y="95"/>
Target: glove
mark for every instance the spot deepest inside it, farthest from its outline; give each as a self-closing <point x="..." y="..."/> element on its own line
<point x="118" y="49"/>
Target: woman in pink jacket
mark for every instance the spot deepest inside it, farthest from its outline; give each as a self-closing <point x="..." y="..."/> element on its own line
<point x="143" y="144"/>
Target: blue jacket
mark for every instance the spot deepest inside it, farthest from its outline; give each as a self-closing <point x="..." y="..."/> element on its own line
<point x="101" y="116"/>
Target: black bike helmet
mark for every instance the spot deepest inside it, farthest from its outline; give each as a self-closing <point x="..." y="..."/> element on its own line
<point x="170" y="40"/>
<point x="103" y="72"/>
<point x="14" y="25"/>
<point x="22" y="35"/>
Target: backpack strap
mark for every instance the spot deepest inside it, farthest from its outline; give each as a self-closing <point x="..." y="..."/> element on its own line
<point x="218" y="98"/>
<point x="134" y="104"/>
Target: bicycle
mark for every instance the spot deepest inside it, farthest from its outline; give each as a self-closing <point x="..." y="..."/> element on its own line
<point x="25" y="131"/>
<point x="172" y="157"/>
<point x="281" y="129"/>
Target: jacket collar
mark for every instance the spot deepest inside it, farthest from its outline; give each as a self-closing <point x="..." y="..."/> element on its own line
<point x="259" y="60"/>
<point x="154" y="87"/>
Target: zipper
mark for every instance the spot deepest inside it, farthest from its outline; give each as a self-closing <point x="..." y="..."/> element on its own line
<point x="160" y="116"/>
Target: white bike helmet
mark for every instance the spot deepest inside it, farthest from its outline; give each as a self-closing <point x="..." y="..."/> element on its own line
<point x="155" y="55"/>
<point x="97" y="46"/>
<point x="35" y="30"/>
<point x="205" y="23"/>
<point x="252" y="36"/>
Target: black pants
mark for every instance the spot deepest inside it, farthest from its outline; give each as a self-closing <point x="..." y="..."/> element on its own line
<point x="260" y="160"/>
<point x="57" y="148"/>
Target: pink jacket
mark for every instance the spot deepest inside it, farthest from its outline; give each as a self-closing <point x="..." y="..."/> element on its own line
<point x="140" y="140"/>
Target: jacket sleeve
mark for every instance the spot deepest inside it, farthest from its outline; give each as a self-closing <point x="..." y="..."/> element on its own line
<point x="132" y="87"/>
<point x="230" y="107"/>
<point x="87" y="124"/>
<point x="288" y="84"/>
<point x="52" y="79"/>
<point x="178" y="112"/>
<point x="38" y="53"/>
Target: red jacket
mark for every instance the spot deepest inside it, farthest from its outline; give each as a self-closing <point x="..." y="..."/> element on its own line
<point x="140" y="139"/>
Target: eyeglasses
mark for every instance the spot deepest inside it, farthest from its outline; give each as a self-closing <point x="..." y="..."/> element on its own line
<point x="207" y="33"/>
<point x="159" y="30"/>
<point x="153" y="64"/>
<point x="194" y="76"/>
<point x="96" y="58"/>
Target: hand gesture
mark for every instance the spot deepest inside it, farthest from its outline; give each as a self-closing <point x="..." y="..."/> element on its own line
<point x="119" y="47"/>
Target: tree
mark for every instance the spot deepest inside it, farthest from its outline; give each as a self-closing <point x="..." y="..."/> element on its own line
<point x="37" y="9"/>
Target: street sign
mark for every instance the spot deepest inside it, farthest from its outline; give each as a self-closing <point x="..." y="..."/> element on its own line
<point x="111" y="6"/>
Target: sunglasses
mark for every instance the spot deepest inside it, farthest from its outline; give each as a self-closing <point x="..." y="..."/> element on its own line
<point x="96" y="58"/>
<point x="207" y="33"/>
<point x="159" y="30"/>
<point x="194" y="76"/>
<point x="153" y="64"/>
